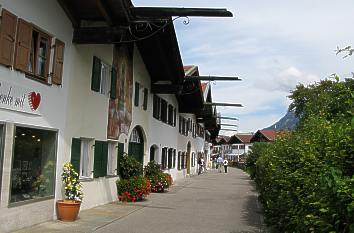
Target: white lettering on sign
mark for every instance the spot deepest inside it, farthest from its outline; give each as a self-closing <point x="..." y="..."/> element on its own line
<point x="20" y="99"/>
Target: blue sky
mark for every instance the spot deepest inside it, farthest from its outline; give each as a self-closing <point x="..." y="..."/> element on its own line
<point x="272" y="45"/>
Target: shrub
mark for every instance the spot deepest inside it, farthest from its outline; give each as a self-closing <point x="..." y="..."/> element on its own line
<point x="160" y="182"/>
<point x="130" y="167"/>
<point x="306" y="179"/>
<point x="152" y="169"/>
<point x="133" y="189"/>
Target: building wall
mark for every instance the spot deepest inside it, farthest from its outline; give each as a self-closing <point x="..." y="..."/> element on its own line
<point x="53" y="108"/>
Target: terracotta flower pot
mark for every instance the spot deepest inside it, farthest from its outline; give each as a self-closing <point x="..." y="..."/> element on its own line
<point x="68" y="210"/>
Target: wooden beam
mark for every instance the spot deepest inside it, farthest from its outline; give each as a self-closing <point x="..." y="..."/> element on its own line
<point x="228" y="118"/>
<point x="235" y="130"/>
<point x="224" y="104"/>
<point x="64" y="4"/>
<point x="212" y="78"/>
<point x="165" y="88"/>
<point x="98" y="35"/>
<point x="229" y="125"/>
<point x="104" y="9"/>
<point x="156" y="12"/>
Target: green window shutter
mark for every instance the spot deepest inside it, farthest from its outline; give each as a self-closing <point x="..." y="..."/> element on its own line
<point x="76" y="154"/>
<point x="97" y="162"/>
<point x="145" y="98"/>
<point x="104" y="158"/>
<point x="136" y="98"/>
<point x="120" y="156"/>
<point x="113" y="84"/>
<point x="96" y="74"/>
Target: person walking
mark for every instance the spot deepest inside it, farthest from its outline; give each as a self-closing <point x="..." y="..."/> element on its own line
<point x="199" y="166"/>
<point x="220" y="163"/>
<point x="226" y="163"/>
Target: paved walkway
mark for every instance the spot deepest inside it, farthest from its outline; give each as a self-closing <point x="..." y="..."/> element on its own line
<point x="209" y="203"/>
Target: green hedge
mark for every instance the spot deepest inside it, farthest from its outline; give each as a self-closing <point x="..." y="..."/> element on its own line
<point x="305" y="179"/>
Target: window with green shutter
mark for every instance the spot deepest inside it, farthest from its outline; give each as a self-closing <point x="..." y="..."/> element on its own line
<point x="113" y="92"/>
<point x="146" y="92"/>
<point x="76" y="154"/>
<point x="100" y="159"/>
<point x="120" y="155"/>
<point x="137" y="92"/>
<point x="96" y="74"/>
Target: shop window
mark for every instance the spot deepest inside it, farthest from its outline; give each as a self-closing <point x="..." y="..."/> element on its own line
<point x="112" y="159"/>
<point x="33" y="168"/>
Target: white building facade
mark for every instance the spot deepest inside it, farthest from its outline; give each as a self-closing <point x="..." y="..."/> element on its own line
<point x="83" y="102"/>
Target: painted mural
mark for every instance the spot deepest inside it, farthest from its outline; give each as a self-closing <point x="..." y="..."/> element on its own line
<point x="120" y="109"/>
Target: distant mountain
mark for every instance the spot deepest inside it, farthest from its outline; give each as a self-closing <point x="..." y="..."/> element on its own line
<point x="289" y="122"/>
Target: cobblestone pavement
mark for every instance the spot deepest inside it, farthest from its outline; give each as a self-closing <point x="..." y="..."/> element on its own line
<point x="208" y="203"/>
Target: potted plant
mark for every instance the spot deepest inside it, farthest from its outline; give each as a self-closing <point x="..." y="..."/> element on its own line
<point x="68" y="209"/>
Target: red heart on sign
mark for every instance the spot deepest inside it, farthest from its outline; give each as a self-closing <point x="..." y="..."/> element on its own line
<point x="35" y="100"/>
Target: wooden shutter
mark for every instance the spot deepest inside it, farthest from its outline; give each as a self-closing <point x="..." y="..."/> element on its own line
<point x="76" y="154"/>
<point x="58" y="62"/>
<point x="174" y="158"/>
<point x="146" y="92"/>
<point x="23" y="45"/>
<point x="96" y="74"/>
<point x="104" y="158"/>
<point x="170" y="157"/>
<point x="7" y="37"/>
<point x="137" y="92"/>
<point x="113" y="92"/>
<point x="120" y="156"/>
<point x="100" y="159"/>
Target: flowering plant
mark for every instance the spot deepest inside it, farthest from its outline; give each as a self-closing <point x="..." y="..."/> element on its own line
<point x="72" y="185"/>
<point x="160" y="182"/>
<point x="133" y="189"/>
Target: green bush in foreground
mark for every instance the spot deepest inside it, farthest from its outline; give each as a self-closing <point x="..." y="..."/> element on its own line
<point x="305" y="179"/>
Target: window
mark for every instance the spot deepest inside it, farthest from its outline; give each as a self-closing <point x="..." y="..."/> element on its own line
<point x="112" y="159"/>
<point x="242" y="147"/>
<point x="103" y="78"/>
<point x="163" y="110"/>
<point x="33" y="168"/>
<point x="174" y="158"/>
<point x="146" y="92"/>
<point x="30" y="52"/>
<point x="156" y="107"/>
<point x="193" y="159"/>
<point x="179" y="162"/>
<point x="136" y="94"/>
<point x="170" y="158"/>
<point x="170" y="114"/>
<point x="164" y="158"/>
<point x="1" y="152"/>
<point x="80" y="156"/>
<point x="234" y="147"/>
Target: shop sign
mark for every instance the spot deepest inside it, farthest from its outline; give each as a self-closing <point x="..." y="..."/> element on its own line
<point x="19" y="99"/>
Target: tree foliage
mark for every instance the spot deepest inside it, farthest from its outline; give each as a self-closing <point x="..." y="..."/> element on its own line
<point x="305" y="179"/>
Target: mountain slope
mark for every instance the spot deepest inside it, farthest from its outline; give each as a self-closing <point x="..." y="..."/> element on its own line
<point x="287" y="122"/>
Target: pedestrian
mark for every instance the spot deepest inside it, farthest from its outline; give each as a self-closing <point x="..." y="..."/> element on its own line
<point x="220" y="163"/>
<point x="226" y="163"/>
<point x="199" y="166"/>
<point x="202" y="164"/>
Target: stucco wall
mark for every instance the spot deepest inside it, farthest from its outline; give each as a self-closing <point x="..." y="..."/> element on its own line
<point x="53" y="107"/>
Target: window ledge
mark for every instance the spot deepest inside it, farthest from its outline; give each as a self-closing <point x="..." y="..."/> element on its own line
<point x="37" y="78"/>
<point x="111" y="176"/>
<point x="85" y="179"/>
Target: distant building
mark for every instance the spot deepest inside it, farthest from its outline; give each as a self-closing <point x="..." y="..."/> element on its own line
<point x="264" y="136"/>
